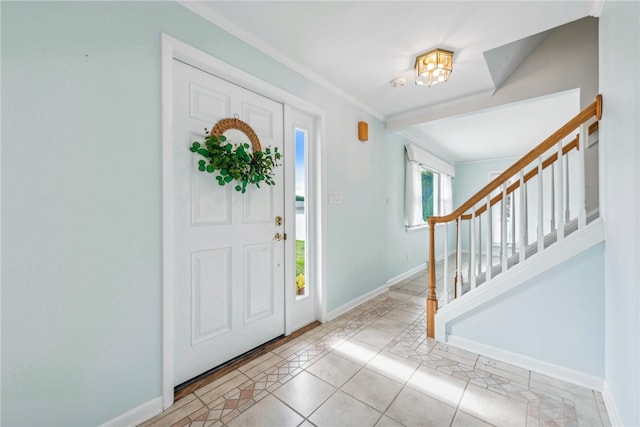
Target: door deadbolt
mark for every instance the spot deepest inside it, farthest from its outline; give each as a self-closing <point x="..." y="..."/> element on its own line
<point x="278" y="220"/>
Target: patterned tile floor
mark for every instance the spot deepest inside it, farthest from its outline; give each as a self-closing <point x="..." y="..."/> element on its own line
<point x="374" y="366"/>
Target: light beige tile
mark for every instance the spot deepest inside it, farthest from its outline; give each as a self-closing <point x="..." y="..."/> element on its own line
<point x="492" y="407"/>
<point x="503" y="369"/>
<point x="588" y="412"/>
<point x="305" y="393"/>
<point x="356" y="351"/>
<point x="559" y="387"/>
<point x="454" y="353"/>
<point x="462" y="419"/>
<point x="260" y="365"/>
<point x="334" y="369"/>
<point x="373" y="389"/>
<point x="343" y="410"/>
<point x="412" y="408"/>
<point x="229" y="381"/>
<point x="181" y="409"/>
<point x="221" y="386"/>
<point x="176" y="405"/>
<point x="402" y="316"/>
<point x="268" y="412"/>
<point x="388" y="422"/>
<point x="392" y="366"/>
<point x="389" y="325"/>
<point x="291" y="347"/>
<point x="418" y="303"/>
<point x="374" y="337"/>
<point x="398" y="296"/>
<point x="438" y="385"/>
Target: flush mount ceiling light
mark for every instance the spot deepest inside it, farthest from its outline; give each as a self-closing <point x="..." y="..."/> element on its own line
<point x="434" y="67"/>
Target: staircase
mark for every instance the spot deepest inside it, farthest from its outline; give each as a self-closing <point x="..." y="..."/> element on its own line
<point x="531" y="217"/>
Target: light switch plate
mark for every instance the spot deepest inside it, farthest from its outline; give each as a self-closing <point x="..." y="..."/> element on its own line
<point x="335" y="197"/>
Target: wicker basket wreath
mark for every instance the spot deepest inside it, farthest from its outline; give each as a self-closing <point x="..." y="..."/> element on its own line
<point x="234" y="162"/>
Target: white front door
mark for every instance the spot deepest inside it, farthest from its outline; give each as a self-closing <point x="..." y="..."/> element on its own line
<point x="228" y="269"/>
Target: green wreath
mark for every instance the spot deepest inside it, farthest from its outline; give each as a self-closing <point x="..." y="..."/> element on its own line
<point x="233" y="162"/>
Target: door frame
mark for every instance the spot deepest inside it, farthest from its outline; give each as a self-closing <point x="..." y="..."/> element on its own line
<point x="172" y="48"/>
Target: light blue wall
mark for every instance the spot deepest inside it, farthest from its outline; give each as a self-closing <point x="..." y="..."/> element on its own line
<point x="81" y="198"/>
<point x="472" y="176"/>
<point x="406" y="250"/>
<point x="557" y="317"/>
<point x="355" y="228"/>
<point x="620" y="182"/>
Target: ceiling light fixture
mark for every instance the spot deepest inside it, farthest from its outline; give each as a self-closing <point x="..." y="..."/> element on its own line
<point x="433" y="67"/>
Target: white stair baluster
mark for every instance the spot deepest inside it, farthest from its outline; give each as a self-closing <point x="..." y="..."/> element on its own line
<point x="540" y="212"/>
<point x="470" y="265"/>
<point x="445" y="275"/>
<point x="503" y="228"/>
<point x="458" y="260"/>
<point x="512" y="203"/>
<point x="489" y="240"/>
<point x="560" y="189"/>
<point x="523" y="217"/>
<point x="472" y="248"/>
<point x="479" y="271"/>
<point x="553" y="200"/>
<point x="567" y="212"/>
<point x="582" y="147"/>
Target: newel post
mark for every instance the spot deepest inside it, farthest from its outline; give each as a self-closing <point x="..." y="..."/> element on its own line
<point x="432" y="300"/>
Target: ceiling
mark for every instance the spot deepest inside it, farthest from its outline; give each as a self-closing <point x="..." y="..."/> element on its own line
<point x="356" y="48"/>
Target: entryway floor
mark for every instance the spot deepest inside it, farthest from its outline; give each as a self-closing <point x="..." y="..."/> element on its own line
<point x="374" y="366"/>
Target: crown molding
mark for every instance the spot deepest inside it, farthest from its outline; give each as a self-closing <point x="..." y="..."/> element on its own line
<point x="210" y="15"/>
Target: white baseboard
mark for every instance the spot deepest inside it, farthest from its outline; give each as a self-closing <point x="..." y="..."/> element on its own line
<point x="560" y="372"/>
<point x="356" y="302"/>
<point x="612" y="408"/>
<point x="137" y="415"/>
<point x="399" y="278"/>
<point x="451" y="252"/>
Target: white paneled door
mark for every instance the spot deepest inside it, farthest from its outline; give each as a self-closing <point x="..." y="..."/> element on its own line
<point x="228" y="269"/>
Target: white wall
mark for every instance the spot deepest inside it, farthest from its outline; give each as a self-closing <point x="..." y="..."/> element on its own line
<point x="81" y="197"/>
<point x="620" y="185"/>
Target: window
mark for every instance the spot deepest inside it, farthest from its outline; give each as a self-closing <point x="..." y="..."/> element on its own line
<point x="301" y="138"/>
<point x="428" y="187"/>
<point x="431" y="203"/>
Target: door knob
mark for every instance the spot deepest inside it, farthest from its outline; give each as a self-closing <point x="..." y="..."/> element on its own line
<point x="279" y="237"/>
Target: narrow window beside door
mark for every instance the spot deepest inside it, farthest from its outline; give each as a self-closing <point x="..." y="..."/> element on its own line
<point x="302" y="287"/>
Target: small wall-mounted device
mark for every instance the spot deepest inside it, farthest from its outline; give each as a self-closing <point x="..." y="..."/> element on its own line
<point x="363" y="131"/>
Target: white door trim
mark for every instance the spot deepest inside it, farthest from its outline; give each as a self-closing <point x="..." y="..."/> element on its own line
<point x="172" y="48"/>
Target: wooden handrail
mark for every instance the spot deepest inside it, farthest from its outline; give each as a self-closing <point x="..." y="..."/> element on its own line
<point x="594" y="109"/>
<point x="566" y="129"/>
<point x="574" y="144"/>
<point x="527" y="177"/>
